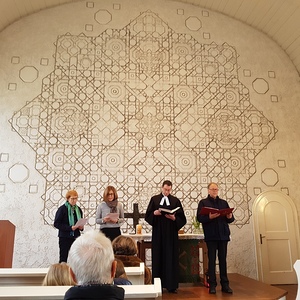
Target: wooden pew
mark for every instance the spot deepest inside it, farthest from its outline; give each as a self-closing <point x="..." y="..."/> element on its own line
<point x="149" y="291"/>
<point x="35" y="276"/>
<point x="22" y="276"/>
<point x="136" y="274"/>
<point x="297" y="269"/>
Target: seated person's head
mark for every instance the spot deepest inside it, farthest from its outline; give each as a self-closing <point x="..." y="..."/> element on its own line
<point x="124" y="245"/>
<point x="120" y="276"/>
<point x="125" y="248"/>
<point x="91" y="259"/>
<point x="120" y="270"/>
<point x="58" y="274"/>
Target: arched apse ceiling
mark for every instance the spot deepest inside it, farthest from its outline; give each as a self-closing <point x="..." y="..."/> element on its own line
<point x="278" y="19"/>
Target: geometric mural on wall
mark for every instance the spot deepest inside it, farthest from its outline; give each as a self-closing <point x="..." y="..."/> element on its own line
<point x="138" y="105"/>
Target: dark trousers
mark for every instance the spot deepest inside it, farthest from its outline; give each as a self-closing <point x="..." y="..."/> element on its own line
<point x="64" y="247"/>
<point x="220" y="248"/>
<point x="112" y="232"/>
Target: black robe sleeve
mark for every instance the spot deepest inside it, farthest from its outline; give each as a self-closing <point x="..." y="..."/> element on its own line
<point x="149" y="216"/>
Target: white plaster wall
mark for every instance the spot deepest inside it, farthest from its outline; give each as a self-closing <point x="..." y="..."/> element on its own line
<point x="31" y="42"/>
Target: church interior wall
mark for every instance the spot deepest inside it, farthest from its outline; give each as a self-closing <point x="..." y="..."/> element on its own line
<point x="130" y="93"/>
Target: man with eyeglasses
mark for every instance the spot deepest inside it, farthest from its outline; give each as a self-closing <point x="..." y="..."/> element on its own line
<point x="65" y="219"/>
<point x="216" y="236"/>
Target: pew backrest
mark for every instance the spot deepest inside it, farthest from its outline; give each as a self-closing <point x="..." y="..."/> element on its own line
<point x="35" y="276"/>
<point x="136" y="274"/>
<point x="22" y="276"/>
<point x="150" y="291"/>
<point x="297" y="269"/>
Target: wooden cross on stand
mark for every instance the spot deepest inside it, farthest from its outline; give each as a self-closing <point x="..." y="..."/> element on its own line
<point x="135" y="215"/>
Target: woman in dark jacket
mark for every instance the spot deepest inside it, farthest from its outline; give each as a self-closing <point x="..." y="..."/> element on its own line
<point x="66" y="217"/>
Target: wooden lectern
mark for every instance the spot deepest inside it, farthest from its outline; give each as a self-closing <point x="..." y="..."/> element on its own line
<point x="7" y="238"/>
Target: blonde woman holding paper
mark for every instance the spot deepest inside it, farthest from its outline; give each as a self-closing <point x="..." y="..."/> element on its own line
<point x="110" y="213"/>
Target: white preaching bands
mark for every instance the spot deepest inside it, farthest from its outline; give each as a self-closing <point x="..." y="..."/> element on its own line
<point x="165" y="199"/>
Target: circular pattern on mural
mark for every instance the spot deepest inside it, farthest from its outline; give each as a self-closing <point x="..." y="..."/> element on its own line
<point x="237" y="163"/>
<point x="112" y="160"/>
<point x="57" y="158"/>
<point x="115" y="45"/>
<point x="185" y="162"/>
<point x="61" y="88"/>
<point x="181" y="50"/>
<point x="115" y="91"/>
<point x="232" y="97"/>
<point x="183" y="94"/>
<point x="85" y="62"/>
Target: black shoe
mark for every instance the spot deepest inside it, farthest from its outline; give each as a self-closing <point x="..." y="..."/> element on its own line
<point x="227" y="290"/>
<point x="212" y="290"/>
<point x="174" y="291"/>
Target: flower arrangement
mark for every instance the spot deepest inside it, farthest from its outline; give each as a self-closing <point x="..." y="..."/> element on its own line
<point x="197" y="225"/>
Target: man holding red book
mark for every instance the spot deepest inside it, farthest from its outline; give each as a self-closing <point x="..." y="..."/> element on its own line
<point x="216" y="236"/>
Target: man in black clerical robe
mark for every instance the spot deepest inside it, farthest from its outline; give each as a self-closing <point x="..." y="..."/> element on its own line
<point x="165" y="226"/>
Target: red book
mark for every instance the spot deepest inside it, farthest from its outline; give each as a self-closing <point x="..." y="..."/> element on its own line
<point x="223" y="212"/>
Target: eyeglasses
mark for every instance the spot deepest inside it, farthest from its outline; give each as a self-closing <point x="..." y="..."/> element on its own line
<point x="73" y="198"/>
<point x="110" y="194"/>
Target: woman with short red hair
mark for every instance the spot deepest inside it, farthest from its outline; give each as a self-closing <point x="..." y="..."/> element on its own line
<point x="65" y="219"/>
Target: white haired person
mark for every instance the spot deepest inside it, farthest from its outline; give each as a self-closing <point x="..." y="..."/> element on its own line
<point x="93" y="267"/>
